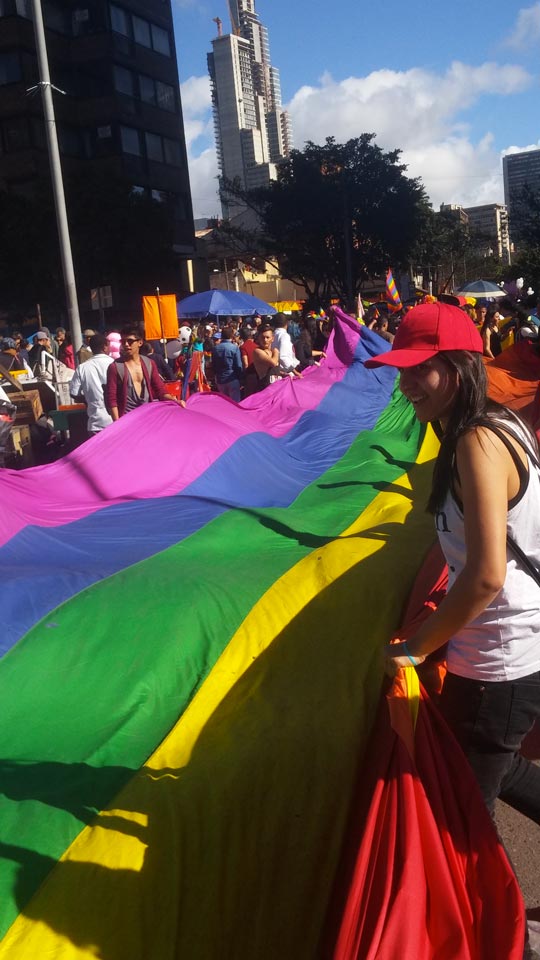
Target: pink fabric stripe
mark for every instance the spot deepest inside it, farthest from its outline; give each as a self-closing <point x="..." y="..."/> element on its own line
<point x="158" y="450"/>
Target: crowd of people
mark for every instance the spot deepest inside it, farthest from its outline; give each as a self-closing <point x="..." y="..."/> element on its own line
<point x="116" y="372"/>
<point x="500" y="324"/>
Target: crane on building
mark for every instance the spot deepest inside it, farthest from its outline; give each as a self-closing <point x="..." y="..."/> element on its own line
<point x="219" y="24"/>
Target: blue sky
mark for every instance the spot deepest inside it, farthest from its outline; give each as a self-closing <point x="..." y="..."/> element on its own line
<point x="455" y="86"/>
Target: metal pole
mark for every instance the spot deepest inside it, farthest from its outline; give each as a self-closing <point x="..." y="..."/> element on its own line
<point x="347" y="244"/>
<point x="101" y="311"/>
<point x="56" y="175"/>
<point x="163" y="340"/>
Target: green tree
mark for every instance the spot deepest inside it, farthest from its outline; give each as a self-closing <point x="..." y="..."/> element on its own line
<point x="338" y="215"/>
<point x="442" y="244"/>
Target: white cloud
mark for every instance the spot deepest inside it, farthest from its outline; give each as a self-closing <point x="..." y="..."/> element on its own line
<point x="204" y="186"/>
<point x="202" y="159"/>
<point x="527" y="28"/>
<point x="454" y="170"/>
<point x="196" y="95"/>
<point x="402" y="108"/>
<point x="417" y="110"/>
<point x="531" y="146"/>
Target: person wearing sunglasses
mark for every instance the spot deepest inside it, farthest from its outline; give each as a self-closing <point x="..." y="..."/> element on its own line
<point x="133" y="379"/>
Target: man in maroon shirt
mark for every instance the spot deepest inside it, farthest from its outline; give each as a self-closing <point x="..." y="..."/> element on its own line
<point x="134" y="379"/>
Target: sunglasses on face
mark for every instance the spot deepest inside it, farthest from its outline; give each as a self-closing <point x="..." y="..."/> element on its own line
<point x="129" y="340"/>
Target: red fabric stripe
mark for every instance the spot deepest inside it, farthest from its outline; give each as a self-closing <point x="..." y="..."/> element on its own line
<point x="423" y="874"/>
<point x="430" y="880"/>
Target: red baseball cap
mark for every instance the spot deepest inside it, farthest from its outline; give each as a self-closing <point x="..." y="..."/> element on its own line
<point x="426" y="331"/>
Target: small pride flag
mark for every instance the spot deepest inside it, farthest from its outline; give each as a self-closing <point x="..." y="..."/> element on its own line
<point x="392" y="294"/>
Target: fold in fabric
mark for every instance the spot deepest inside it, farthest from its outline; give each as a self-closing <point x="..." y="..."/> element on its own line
<point x="430" y="879"/>
<point x="423" y="874"/>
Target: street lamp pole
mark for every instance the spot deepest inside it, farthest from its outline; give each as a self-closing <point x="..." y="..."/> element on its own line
<point x="348" y="243"/>
<point x="56" y="175"/>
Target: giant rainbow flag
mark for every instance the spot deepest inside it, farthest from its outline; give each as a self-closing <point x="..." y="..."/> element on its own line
<point x="193" y="606"/>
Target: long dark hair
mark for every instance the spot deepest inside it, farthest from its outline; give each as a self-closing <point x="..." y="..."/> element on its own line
<point x="308" y="332"/>
<point x="472" y="407"/>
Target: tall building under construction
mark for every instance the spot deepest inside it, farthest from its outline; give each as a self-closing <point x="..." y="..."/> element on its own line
<point x="252" y="130"/>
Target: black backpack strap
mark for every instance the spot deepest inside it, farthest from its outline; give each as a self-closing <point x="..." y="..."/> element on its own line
<point x="524" y="559"/>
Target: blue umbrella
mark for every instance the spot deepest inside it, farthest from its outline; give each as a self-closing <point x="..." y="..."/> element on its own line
<point x="482" y="289"/>
<point x="222" y="303"/>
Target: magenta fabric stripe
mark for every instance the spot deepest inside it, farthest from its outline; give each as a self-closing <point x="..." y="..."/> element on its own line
<point x="173" y="458"/>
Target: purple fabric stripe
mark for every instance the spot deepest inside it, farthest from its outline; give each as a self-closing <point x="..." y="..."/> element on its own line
<point x="173" y="454"/>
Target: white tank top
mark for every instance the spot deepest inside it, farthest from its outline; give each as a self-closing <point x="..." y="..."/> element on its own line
<point x="503" y="643"/>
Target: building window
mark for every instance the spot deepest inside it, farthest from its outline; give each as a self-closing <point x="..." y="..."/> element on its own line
<point x="147" y="88"/>
<point x="180" y="208"/>
<point x="157" y="93"/>
<point x="172" y="152"/>
<point x="160" y="195"/>
<point x="120" y="21"/>
<point x="165" y="96"/>
<point x="10" y="68"/>
<point x="70" y="141"/>
<point x="124" y="81"/>
<point x="141" y="32"/>
<point x="24" y="8"/>
<point x="55" y="18"/>
<point x="16" y="134"/>
<point x="37" y="127"/>
<point x="130" y="140"/>
<point x="154" y="147"/>
<point x="160" y="41"/>
<point x="80" y="22"/>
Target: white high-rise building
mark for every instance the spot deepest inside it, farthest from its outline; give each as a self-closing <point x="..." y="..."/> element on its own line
<point x="489" y="222"/>
<point x="252" y="131"/>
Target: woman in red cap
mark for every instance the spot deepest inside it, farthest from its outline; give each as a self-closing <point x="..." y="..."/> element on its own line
<point x="485" y="499"/>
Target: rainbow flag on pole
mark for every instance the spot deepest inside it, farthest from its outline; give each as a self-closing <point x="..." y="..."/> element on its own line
<point x="392" y="294"/>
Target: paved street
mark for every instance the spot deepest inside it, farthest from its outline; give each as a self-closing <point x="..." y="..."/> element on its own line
<point x="522" y="840"/>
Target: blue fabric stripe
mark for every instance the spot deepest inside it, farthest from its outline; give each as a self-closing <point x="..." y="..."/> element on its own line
<point x="48" y="565"/>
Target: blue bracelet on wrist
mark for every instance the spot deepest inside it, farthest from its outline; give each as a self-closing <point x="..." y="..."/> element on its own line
<point x="413" y="660"/>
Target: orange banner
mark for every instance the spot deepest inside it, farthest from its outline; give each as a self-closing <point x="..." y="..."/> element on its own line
<point x="153" y="327"/>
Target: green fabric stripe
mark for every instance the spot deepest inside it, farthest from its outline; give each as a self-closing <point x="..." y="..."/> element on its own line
<point x="89" y="693"/>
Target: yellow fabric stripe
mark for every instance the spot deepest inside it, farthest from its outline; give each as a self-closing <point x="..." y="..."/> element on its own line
<point x="413" y="692"/>
<point x="226" y="843"/>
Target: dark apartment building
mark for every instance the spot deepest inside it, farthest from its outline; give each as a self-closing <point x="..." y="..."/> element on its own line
<point x="520" y="170"/>
<point x="116" y="64"/>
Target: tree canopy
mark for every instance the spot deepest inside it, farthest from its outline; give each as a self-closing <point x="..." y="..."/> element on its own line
<point x="337" y="215"/>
